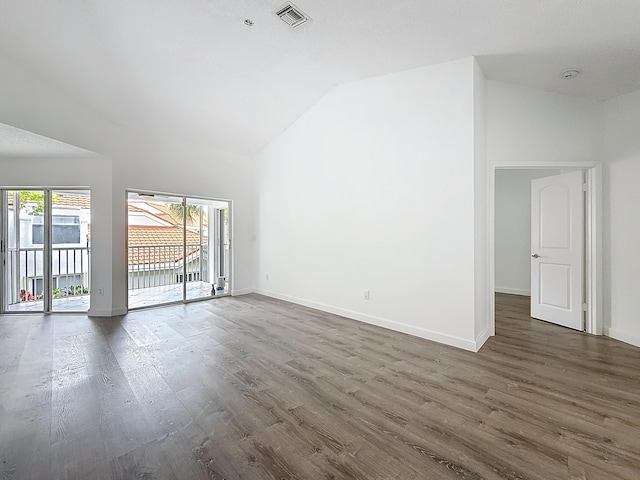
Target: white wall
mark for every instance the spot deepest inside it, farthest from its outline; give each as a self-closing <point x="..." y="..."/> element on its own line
<point x="622" y="218"/>
<point x="526" y="125"/>
<point x="373" y="189"/>
<point x="513" y="229"/>
<point x="481" y="202"/>
<point x="94" y="173"/>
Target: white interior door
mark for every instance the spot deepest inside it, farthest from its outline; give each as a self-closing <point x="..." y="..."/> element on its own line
<point x="557" y="245"/>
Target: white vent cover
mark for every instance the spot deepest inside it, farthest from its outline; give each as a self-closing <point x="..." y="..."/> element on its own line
<point x="292" y="15"/>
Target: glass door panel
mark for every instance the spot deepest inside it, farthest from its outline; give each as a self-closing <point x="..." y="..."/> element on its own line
<point x="196" y="265"/>
<point x="70" y="247"/>
<point x="155" y="249"/>
<point x="24" y="268"/>
<point x="206" y="272"/>
<point x="222" y="229"/>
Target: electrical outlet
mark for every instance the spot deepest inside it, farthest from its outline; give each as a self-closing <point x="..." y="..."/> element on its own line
<point x="101" y="291"/>
<point x="267" y="276"/>
<point x="366" y="294"/>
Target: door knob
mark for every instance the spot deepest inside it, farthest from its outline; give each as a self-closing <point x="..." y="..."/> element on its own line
<point x="535" y="255"/>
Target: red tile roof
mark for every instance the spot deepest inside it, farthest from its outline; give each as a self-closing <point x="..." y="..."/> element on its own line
<point x="72" y="200"/>
<point x="167" y="214"/>
<point x="155" y="244"/>
<point x="66" y="200"/>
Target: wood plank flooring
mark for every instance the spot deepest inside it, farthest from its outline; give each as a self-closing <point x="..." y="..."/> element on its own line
<point x="255" y="388"/>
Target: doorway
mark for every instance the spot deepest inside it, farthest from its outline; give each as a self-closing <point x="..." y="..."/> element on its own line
<point x="513" y="228"/>
<point x="45" y="248"/>
<point x="499" y="269"/>
<point x="178" y="248"/>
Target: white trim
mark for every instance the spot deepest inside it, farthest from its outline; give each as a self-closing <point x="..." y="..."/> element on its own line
<point x="482" y="337"/>
<point x="242" y="291"/>
<point x="47" y="253"/>
<point x="380" y="322"/>
<point x="540" y="165"/>
<point x="593" y="252"/>
<point x="623" y="336"/>
<point x="513" y="291"/>
<point x="96" y="312"/>
<point x="231" y="267"/>
<point x="593" y="246"/>
<point x="4" y="232"/>
<point x="491" y="320"/>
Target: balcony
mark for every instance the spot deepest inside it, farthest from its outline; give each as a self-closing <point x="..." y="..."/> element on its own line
<point x="70" y="279"/>
<point x="155" y="276"/>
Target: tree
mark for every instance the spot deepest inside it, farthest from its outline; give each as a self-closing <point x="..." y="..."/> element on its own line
<point x="179" y="211"/>
<point x="34" y="199"/>
<point x="29" y="197"/>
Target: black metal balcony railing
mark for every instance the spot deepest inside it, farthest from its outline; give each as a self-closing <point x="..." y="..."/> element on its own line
<point x="25" y="272"/>
<point x="160" y="265"/>
<point x="149" y="266"/>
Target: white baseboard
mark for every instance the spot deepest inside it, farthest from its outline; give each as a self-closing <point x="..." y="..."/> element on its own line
<point x="97" y="312"/>
<point x="513" y="291"/>
<point x="482" y="337"/>
<point x="242" y="291"/>
<point x="623" y="336"/>
<point x="380" y="322"/>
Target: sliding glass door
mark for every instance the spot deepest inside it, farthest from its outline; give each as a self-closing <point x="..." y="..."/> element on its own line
<point x="155" y="237"/>
<point x="207" y="248"/>
<point x="178" y="248"/>
<point x="24" y="269"/>
<point x="45" y="250"/>
<point x="70" y="250"/>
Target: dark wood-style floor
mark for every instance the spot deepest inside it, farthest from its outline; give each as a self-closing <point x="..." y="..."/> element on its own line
<point x="255" y="388"/>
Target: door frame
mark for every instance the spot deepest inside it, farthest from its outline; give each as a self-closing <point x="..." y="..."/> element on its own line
<point x="47" y="252"/>
<point x="184" y="300"/>
<point x="47" y="300"/>
<point x="592" y="245"/>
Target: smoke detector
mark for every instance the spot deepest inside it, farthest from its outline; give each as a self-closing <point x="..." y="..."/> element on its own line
<point x="292" y="15"/>
<point x="571" y="73"/>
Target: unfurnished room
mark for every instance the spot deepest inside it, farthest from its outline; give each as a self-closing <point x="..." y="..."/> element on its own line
<point x="365" y="240"/>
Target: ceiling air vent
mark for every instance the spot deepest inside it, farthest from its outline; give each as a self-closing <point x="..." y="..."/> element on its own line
<point x="292" y="15"/>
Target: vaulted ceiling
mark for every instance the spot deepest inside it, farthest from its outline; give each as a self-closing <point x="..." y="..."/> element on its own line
<point x="16" y="143"/>
<point x="194" y="70"/>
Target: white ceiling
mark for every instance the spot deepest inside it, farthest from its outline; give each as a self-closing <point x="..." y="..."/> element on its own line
<point x="18" y="143"/>
<point x="192" y="69"/>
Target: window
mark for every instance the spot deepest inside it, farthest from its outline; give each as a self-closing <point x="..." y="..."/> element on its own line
<point x="64" y="229"/>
